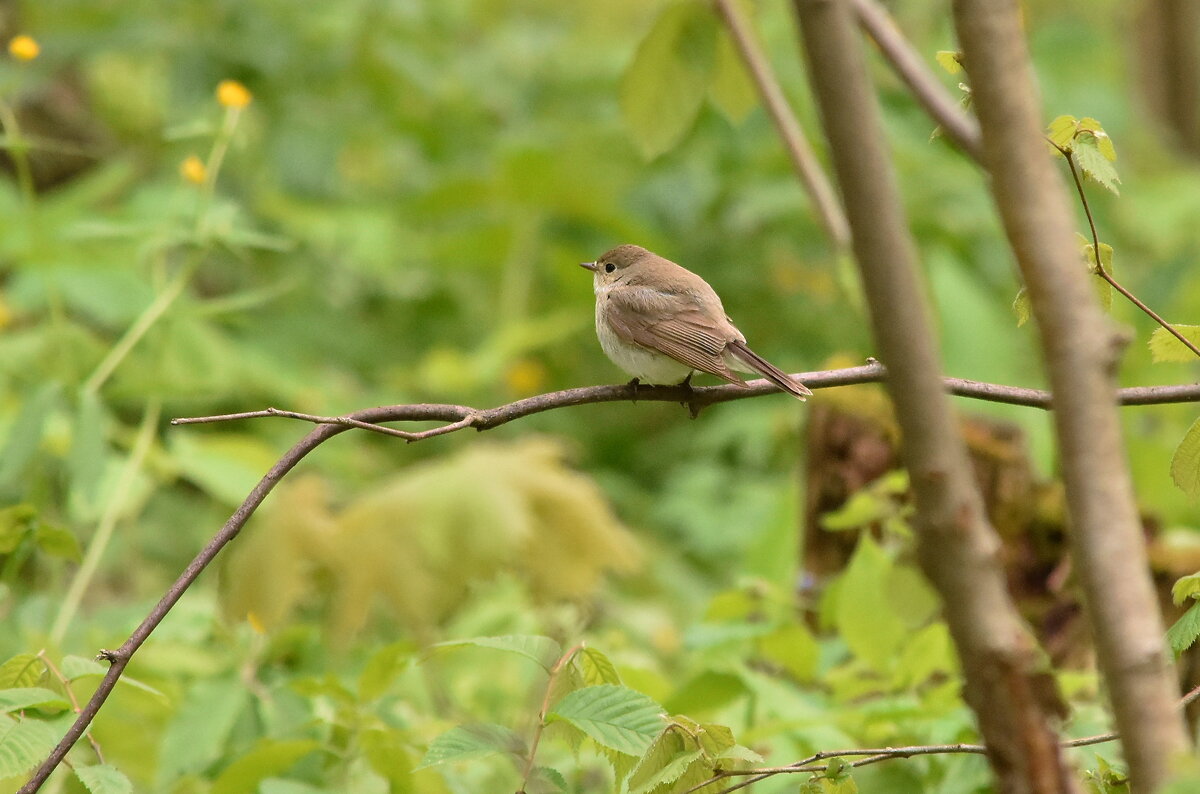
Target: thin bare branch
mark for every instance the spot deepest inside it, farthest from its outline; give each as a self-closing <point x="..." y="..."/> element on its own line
<point x="804" y="161"/>
<point x="957" y="125"/>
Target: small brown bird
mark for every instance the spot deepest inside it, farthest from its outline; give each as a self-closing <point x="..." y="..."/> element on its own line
<point x="660" y="322"/>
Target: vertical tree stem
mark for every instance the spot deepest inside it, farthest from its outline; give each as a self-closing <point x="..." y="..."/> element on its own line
<point x="1081" y="349"/>
<point x="958" y="549"/>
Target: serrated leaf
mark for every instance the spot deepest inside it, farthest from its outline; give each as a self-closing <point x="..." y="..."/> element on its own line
<point x="741" y="753"/>
<point x="612" y="716"/>
<point x="1164" y="347"/>
<point x="22" y="670"/>
<point x="23" y="743"/>
<point x="104" y="779"/>
<point x="731" y="89"/>
<point x="549" y="777"/>
<point x="31" y="697"/>
<point x="1091" y="127"/>
<point x="663" y="88"/>
<point x="597" y="668"/>
<point x="950" y="60"/>
<point x="665" y="761"/>
<point x="1185" y="463"/>
<point x="542" y="650"/>
<point x="1094" y="164"/>
<point x="1061" y="132"/>
<point x="268" y="758"/>
<point x="1185" y="587"/>
<point x="715" y="739"/>
<point x="1184" y="632"/>
<point x="464" y="742"/>
<point x="1022" y="307"/>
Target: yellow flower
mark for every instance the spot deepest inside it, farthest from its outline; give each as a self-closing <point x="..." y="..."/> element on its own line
<point x="525" y="377"/>
<point x="192" y="169"/>
<point x="232" y="94"/>
<point x="24" y="48"/>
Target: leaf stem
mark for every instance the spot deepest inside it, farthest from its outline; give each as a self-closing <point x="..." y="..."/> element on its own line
<point x="1100" y="269"/>
<point x="562" y="662"/>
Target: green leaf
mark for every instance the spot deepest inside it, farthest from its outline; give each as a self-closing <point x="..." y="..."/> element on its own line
<point x="950" y="60"/>
<point x="16" y="522"/>
<point x="550" y="778"/>
<point x="597" y="669"/>
<point x="382" y="668"/>
<point x="22" y="670"/>
<point x="870" y="628"/>
<point x="85" y="461"/>
<point x="1061" y="132"/>
<point x="613" y="716"/>
<point x="79" y="666"/>
<point x="58" y="542"/>
<point x="707" y="691"/>
<point x="715" y="739"/>
<point x="1185" y="463"/>
<point x="1022" y="307"/>
<point x="662" y="90"/>
<point x="1164" y="347"/>
<point x="542" y="650"/>
<point x="794" y="649"/>
<point x="464" y="742"/>
<point x="23" y="744"/>
<point x="26" y="434"/>
<point x="1094" y="164"/>
<point x="268" y="758"/>
<point x="1184" y="632"/>
<point x="667" y="758"/>
<point x="226" y="465"/>
<point x="31" y="697"/>
<point x="731" y="89"/>
<point x="104" y="779"/>
<point x="387" y="753"/>
<point x="199" y="730"/>
<point x="1186" y="587"/>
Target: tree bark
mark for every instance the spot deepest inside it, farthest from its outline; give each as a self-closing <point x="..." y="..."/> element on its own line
<point x="958" y="550"/>
<point x="1081" y="348"/>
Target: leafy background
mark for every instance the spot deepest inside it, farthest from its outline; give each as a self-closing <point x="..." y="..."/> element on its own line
<point x="398" y="219"/>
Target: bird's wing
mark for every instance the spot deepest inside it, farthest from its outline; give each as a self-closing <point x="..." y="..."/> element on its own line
<point x="684" y="332"/>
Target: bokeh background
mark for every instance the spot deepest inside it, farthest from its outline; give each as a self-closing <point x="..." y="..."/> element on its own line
<point x="398" y="218"/>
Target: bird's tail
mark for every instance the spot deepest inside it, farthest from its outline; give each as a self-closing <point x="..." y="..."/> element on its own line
<point x="768" y="370"/>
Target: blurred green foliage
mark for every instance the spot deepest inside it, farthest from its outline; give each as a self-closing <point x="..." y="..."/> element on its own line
<point x="396" y="217"/>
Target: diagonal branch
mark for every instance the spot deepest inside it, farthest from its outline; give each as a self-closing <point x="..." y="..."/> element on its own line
<point x="804" y="161"/>
<point x="958" y="126"/>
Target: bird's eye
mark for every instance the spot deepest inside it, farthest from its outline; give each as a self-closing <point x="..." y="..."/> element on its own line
<point x="610" y="267"/>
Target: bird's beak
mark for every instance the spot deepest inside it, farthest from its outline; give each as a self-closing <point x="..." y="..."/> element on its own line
<point x="589" y="265"/>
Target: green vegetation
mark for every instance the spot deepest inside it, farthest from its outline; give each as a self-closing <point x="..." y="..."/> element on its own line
<point x="387" y="207"/>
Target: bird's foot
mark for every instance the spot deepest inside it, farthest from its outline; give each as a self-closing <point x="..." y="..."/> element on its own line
<point x="689" y="396"/>
<point x="633" y="384"/>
